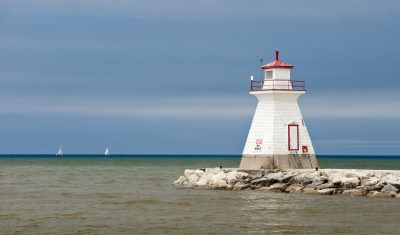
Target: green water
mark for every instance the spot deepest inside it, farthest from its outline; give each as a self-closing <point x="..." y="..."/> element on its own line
<point x="98" y="195"/>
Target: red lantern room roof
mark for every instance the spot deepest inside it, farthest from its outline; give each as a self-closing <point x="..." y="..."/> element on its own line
<point x="277" y="63"/>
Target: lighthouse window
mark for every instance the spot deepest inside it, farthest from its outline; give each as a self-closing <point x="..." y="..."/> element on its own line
<point x="269" y="74"/>
<point x="293" y="136"/>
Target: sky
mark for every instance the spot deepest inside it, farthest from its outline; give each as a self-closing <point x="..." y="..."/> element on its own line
<point x="172" y="76"/>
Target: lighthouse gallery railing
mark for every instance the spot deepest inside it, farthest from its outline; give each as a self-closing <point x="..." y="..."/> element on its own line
<point x="278" y="85"/>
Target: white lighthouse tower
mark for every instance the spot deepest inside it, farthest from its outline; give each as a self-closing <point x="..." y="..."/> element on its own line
<point x="278" y="137"/>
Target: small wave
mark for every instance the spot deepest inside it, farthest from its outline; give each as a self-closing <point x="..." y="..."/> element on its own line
<point x="139" y="202"/>
<point x="32" y="225"/>
<point x="72" y="215"/>
<point x="97" y="226"/>
<point x="182" y="204"/>
<point x="105" y="195"/>
<point x="9" y="216"/>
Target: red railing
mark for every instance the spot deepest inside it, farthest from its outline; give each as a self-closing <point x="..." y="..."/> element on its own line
<point x="278" y="85"/>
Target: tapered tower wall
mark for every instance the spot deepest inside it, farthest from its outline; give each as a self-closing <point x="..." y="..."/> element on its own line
<point x="267" y="144"/>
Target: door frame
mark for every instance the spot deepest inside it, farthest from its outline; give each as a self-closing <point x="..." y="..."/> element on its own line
<point x="298" y="137"/>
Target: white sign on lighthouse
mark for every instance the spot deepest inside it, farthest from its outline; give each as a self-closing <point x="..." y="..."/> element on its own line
<point x="278" y="137"/>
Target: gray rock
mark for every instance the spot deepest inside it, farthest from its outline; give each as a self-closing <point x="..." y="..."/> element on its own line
<point x="345" y="180"/>
<point x="326" y="185"/>
<point x="233" y="181"/>
<point x="377" y="194"/>
<point x="315" y="183"/>
<point x="259" y="180"/>
<point x="326" y="191"/>
<point x="309" y="190"/>
<point x="354" y="192"/>
<point x="269" y="179"/>
<point x="300" y="180"/>
<point x="294" y="188"/>
<point x="389" y="188"/>
<point x="181" y="180"/>
<point x="287" y="178"/>
<point x="264" y="189"/>
<point x="376" y="187"/>
<point x="370" y="181"/>
<point x="304" y="178"/>
<point x="263" y="182"/>
<point x="253" y="187"/>
<point x="338" y="191"/>
<point x="240" y="186"/>
<point x="278" y="187"/>
<point x="395" y="183"/>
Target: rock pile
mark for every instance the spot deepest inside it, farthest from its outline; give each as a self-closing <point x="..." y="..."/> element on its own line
<point x="373" y="183"/>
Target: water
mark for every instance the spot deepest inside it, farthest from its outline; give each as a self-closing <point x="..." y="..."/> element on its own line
<point x="135" y="195"/>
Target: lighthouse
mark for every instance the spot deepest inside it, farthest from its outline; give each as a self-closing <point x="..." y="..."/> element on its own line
<point x="278" y="136"/>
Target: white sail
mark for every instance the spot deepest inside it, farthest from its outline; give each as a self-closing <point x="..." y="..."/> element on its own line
<point x="107" y="152"/>
<point x="60" y="151"/>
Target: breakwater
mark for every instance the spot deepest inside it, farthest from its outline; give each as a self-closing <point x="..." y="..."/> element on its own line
<point x="351" y="182"/>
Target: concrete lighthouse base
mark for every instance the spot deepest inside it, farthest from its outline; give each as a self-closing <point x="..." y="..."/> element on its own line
<point x="281" y="161"/>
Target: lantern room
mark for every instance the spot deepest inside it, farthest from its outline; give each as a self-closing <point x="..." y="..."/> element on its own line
<point x="277" y="70"/>
<point x="277" y="78"/>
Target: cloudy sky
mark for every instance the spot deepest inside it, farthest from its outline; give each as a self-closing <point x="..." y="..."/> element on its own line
<point x="172" y="76"/>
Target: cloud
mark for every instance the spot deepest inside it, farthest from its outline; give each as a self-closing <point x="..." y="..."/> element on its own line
<point x="359" y="143"/>
<point x="356" y="104"/>
<point x="193" y="108"/>
<point x="206" y="9"/>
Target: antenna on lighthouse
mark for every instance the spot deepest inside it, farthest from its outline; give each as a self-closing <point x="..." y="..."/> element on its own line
<point x="261" y="70"/>
<point x="276" y="54"/>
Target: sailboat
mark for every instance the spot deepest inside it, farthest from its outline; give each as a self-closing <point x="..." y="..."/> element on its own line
<point x="60" y="152"/>
<point x="107" y="152"/>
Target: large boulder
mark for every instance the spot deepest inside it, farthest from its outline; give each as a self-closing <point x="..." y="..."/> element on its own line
<point x="203" y="182"/>
<point x="370" y="181"/>
<point x="324" y="186"/>
<point x="306" y="177"/>
<point x="219" y="180"/>
<point x="192" y="180"/>
<point x="288" y="175"/>
<point x="269" y="179"/>
<point x="392" y="179"/>
<point x="389" y="188"/>
<point x="233" y="177"/>
<point x="344" y="179"/>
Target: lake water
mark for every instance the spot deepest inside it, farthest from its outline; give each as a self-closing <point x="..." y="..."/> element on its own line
<point x="136" y="195"/>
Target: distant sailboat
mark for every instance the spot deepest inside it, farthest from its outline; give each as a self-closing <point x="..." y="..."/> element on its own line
<point x="60" y="152"/>
<point x="107" y="152"/>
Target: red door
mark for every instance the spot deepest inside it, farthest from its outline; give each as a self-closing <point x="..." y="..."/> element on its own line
<point x="293" y="137"/>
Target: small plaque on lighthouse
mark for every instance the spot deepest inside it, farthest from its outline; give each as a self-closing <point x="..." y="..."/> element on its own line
<point x="258" y="144"/>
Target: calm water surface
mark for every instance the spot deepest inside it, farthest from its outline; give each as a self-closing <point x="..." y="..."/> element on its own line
<point x="97" y="195"/>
